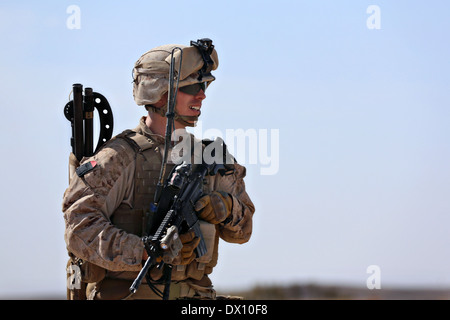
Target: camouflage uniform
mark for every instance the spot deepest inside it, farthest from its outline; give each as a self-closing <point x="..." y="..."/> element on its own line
<point x="112" y="257"/>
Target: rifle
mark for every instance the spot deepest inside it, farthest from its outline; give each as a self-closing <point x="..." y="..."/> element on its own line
<point x="175" y="214"/>
<point x="80" y="113"/>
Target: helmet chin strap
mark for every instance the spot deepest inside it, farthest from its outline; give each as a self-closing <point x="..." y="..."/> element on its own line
<point x="188" y="121"/>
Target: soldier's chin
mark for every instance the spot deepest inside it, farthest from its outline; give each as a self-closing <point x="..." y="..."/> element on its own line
<point x="193" y="123"/>
<point x="189" y="121"/>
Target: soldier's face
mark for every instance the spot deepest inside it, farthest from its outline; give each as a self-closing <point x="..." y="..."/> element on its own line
<point x="189" y="105"/>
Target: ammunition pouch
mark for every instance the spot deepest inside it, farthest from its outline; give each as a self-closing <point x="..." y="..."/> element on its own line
<point x="192" y="290"/>
<point x="201" y="266"/>
<point x="109" y="289"/>
<point x="209" y="234"/>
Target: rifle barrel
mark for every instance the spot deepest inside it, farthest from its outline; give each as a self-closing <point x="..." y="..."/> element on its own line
<point x="137" y="282"/>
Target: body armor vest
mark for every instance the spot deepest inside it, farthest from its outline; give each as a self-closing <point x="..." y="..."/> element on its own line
<point x="137" y="219"/>
<point x="148" y="163"/>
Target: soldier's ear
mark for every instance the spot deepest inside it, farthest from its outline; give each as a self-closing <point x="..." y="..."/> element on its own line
<point x="163" y="101"/>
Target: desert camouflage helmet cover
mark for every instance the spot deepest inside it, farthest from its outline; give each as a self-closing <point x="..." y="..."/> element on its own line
<point x="151" y="71"/>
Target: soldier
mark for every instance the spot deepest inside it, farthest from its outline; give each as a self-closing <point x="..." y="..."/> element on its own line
<point x="106" y="208"/>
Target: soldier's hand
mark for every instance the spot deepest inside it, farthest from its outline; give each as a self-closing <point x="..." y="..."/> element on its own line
<point x="214" y="207"/>
<point x="144" y="255"/>
<point x="187" y="254"/>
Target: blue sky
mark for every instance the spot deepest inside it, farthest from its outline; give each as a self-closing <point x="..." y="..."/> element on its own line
<point x="362" y="117"/>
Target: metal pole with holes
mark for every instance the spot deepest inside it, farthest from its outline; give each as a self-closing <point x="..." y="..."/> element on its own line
<point x="80" y="112"/>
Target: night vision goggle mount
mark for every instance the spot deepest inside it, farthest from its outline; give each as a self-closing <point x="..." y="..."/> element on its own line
<point x="205" y="47"/>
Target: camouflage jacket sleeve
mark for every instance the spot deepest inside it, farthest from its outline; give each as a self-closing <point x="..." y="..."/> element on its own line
<point x="89" y="203"/>
<point x="238" y="229"/>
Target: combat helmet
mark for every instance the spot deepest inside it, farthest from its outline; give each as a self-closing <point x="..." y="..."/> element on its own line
<point x="151" y="73"/>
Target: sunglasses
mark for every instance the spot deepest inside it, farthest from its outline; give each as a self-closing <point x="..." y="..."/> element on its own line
<point x="193" y="89"/>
